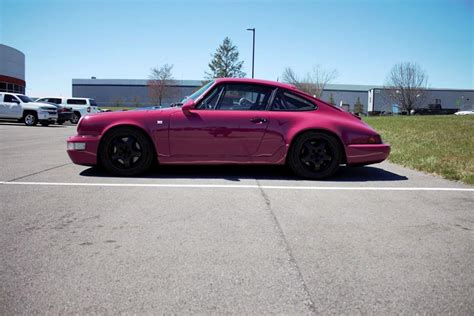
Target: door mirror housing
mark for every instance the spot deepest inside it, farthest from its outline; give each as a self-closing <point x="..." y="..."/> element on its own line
<point x="188" y="107"/>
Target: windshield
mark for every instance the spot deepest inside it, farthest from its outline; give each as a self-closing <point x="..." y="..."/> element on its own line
<point x="24" y="98"/>
<point x="198" y="93"/>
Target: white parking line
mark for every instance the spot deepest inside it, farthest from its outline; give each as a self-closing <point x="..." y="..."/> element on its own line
<point x="239" y="186"/>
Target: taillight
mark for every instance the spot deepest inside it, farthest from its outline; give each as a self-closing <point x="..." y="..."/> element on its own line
<point x="88" y="109"/>
<point x="366" y="139"/>
<point x="374" y="139"/>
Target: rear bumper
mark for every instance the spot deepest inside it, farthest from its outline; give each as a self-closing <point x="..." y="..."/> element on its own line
<point x="364" y="154"/>
<point x="88" y="156"/>
<point x="65" y="116"/>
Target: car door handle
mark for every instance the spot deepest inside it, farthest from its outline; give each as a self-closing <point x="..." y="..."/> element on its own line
<point x="258" y="120"/>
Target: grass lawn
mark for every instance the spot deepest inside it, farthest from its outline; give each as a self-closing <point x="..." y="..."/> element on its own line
<point x="442" y="145"/>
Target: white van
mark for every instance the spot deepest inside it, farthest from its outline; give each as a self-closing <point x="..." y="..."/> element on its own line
<point x="80" y="106"/>
<point x="22" y="108"/>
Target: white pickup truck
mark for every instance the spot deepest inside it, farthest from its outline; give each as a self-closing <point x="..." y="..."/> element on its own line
<point x="22" y="108"/>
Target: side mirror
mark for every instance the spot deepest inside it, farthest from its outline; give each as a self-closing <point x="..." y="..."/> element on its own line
<point x="16" y="101"/>
<point x="188" y="106"/>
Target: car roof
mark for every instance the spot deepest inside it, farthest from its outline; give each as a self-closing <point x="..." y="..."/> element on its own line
<point x="256" y="81"/>
<point x="50" y="97"/>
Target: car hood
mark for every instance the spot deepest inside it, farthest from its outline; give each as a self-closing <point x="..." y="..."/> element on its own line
<point x="43" y="104"/>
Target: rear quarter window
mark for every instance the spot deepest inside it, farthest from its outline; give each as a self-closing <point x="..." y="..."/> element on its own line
<point x="287" y="101"/>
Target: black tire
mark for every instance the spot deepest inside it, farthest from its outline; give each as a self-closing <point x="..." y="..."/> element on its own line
<point x="44" y="123"/>
<point x="126" y="151"/>
<point x="315" y="155"/>
<point x="75" y="117"/>
<point x="60" y="122"/>
<point x="30" y="119"/>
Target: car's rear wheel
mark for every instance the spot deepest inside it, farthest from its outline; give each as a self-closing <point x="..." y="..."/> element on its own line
<point x="126" y="151"/>
<point x="30" y="119"/>
<point x="315" y="155"/>
<point x="75" y="117"/>
<point x="60" y="122"/>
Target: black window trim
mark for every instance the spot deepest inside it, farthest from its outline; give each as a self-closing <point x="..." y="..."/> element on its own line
<point x="223" y="86"/>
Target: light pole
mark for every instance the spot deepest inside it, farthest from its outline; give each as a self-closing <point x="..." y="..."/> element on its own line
<point x="253" y="51"/>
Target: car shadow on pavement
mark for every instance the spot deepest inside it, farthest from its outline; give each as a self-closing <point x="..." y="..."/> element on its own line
<point x="259" y="172"/>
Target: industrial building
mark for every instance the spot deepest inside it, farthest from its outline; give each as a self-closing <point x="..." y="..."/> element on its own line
<point x="135" y="92"/>
<point x="12" y="70"/>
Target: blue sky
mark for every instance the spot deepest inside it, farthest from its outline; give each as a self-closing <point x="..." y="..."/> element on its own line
<point x="121" y="39"/>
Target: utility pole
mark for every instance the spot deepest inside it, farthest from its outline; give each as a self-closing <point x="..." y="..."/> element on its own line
<point x="253" y="52"/>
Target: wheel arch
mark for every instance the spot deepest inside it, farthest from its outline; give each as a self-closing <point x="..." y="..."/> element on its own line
<point x="139" y="128"/>
<point x="26" y="111"/>
<point x="319" y="130"/>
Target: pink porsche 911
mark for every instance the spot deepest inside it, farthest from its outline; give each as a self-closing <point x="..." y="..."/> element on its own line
<point x="230" y="121"/>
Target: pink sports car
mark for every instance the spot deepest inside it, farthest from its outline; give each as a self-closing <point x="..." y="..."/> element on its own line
<point x="230" y="121"/>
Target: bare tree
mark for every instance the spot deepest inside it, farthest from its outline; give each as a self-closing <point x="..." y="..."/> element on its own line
<point x="313" y="82"/>
<point x="160" y="80"/>
<point x="406" y="85"/>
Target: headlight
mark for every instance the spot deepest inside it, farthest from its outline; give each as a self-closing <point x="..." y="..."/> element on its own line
<point x="76" y="146"/>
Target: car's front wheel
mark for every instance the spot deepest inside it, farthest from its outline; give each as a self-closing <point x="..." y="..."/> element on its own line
<point x="30" y="119"/>
<point x="75" y="117"/>
<point x="315" y="155"/>
<point x="126" y="151"/>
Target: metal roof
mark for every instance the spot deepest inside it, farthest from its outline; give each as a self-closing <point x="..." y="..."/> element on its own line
<point x="198" y="83"/>
<point x="132" y="82"/>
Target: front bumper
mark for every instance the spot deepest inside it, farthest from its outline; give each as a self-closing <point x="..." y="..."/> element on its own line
<point x="87" y="156"/>
<point x="364" y="154"/>
<point x="47" y="116"/>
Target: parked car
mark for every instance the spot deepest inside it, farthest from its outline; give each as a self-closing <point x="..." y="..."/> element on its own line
<point x="433" y="109"/>
<point x="22" y="108"/>
<point x="80" y="106"/>
<point x="65" y="113"/>
<point x="230" y="121"/>
<point x="465" y="112"/>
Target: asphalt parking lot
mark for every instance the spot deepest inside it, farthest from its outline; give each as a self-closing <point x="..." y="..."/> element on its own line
<point x="378" y="239"/>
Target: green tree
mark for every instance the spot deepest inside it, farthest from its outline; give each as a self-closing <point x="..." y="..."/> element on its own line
<point x="225" y="62"/>
<point x="358" y="106"/>
<point x="331" y="99"/>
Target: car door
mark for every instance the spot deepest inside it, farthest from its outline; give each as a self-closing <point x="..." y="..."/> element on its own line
<point x="3" y="107"/>
<point x="287" y="111"/>
<point x="11" y="107"/>
<point x="227" y="126"/>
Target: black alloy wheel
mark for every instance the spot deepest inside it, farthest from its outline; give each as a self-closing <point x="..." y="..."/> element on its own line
<point x="315" y="155"/>
<point x="126" y="152"/>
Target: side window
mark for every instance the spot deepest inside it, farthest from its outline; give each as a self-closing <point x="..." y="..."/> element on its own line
<point x="291" y="102"/>
<point x="245" y="97"/>
<point x="54" y="100"/>
<point x="9" y="98"/>
<point x="76" y="101"/>
<point x="92" y="102"/>
<point x="210" y="102"/>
